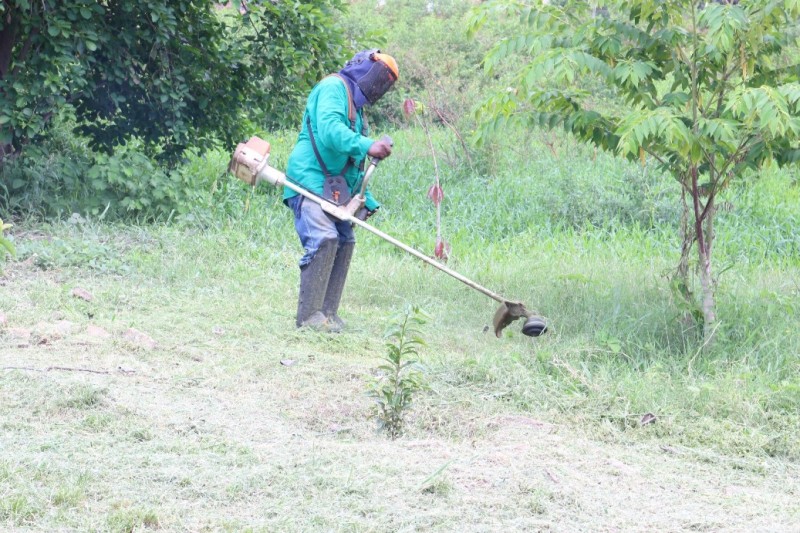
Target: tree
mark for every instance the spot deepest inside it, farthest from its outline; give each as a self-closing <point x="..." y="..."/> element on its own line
<point x="437" y="60"/>
<point x="707" y="90"/>
<point x="173" y="72"/>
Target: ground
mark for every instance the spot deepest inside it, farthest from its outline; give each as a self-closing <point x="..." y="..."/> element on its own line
<point x="131" y="404"/>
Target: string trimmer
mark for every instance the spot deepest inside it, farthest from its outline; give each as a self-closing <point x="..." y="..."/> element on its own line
<point x="250" y="164"/>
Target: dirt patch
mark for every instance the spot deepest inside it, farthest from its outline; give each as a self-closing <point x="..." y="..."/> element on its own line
<point x="200" y="446"/>
<point x="139" y="339"/>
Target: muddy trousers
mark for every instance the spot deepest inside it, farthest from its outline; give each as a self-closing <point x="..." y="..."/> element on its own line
<point x="328" y="244"/>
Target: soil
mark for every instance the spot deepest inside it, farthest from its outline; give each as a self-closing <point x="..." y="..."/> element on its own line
<point x="210" y="442"/>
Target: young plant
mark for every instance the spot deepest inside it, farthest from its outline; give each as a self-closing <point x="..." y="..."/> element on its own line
<point x="5" y="244"/>
<point x="435" y="193"/>
<point x="708" y="90"/>
<point x="401" y="379"/>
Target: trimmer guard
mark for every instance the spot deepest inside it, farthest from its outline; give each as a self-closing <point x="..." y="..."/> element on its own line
<point x="508" y="312"/>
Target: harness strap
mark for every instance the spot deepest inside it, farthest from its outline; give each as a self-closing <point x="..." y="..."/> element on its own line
<point x="351" y="115"/>
<point x="319" y="157"/>
<point x="351" y="106"/>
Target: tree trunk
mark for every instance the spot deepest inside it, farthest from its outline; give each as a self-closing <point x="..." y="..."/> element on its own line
<point x="687" y="240"/>
<point x="704" y="232"/>
<point x="8" y="36"/>
<point x="681" y="282"/>
<point x="706" y="279"/>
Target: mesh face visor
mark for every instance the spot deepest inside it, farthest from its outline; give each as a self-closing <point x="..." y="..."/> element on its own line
<point x="377" y="81"/>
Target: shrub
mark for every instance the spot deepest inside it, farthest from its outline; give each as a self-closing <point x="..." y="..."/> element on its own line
<point x="6" y="247"/>
<point x="61" y="176"/>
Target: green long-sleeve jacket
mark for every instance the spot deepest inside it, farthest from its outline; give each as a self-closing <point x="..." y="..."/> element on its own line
<point x="328" y="108"/>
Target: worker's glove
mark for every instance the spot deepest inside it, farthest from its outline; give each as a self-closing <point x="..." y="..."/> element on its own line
<point x="363" y="214"/>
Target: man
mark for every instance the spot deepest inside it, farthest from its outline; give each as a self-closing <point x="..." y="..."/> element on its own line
<point x="333" y="139"/>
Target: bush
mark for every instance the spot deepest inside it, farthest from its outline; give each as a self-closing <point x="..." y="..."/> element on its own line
<point x="61" y="176"/>
<point x="6" y="246"/>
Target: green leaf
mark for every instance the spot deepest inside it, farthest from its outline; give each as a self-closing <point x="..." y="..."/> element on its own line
<point x="5" y="243"/>
<point x="696" y="153"/>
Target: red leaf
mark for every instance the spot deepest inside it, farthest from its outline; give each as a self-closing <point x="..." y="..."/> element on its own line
<point x="436" y="194"/>
<point x="409" y="106"/>
<point x="442" y="250"/>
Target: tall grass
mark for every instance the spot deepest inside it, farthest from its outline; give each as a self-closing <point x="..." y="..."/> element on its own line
<point x="586" y="239"/>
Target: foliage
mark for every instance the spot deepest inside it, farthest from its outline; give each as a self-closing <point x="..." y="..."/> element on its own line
<point x="437" y="59"/>
<point x="175" y="73"/>
<point x="706" y="90"/>
<point x="395" y="390"/>
<point x="436" y="194"/>
<point x="300" y="43"/>
<point x="6" y="246"/>
<point x="86" y="255"/>
<point x="59" y="176"/>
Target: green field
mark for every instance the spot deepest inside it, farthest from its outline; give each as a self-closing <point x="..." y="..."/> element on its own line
<point x="151" y="374"/>
<point x="221" y="415"/>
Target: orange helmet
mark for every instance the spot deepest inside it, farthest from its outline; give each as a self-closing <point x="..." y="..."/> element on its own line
<point x="390" y="62"/>
<point x="372" y="72"/>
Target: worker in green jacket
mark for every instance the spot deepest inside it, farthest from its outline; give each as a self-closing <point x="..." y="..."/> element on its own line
<point x="328" y="160"/>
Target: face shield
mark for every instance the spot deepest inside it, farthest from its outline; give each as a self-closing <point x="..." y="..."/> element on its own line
<point x="374" y="73"/>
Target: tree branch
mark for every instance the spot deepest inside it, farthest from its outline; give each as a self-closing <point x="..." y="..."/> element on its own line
<point x="460" y="138"/>
<point x="721" y="93"/>
<point x="26" y="49"/>
<point x="655" y="156"/>
<point x="728" y="177"/>
<point x="698" y="221"/>
<point x="8" y="36"/>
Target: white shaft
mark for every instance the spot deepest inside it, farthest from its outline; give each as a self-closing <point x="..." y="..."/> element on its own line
<point x="278" y="178"/>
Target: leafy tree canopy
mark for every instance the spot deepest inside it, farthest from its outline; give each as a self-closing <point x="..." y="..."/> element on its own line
<point x="176" y="72"/>
<point x="706" y="89"/>
<point x="695" y="79"/>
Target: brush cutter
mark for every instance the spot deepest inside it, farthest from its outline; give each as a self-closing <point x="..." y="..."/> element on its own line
<point x="250" y="164"/>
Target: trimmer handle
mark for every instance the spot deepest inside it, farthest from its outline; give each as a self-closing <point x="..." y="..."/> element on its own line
<point x="358" y="200"/>
<point x="388" y="140"/>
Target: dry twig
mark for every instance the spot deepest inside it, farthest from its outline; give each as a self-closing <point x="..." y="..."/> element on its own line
<point x="64" y="368"/>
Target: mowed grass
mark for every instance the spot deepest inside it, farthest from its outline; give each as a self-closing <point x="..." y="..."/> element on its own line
<point x="235" y="420"/>
<point x="208" y="430"/>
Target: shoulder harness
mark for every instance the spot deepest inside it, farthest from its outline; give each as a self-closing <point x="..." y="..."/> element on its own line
<point x="351" y="115"/>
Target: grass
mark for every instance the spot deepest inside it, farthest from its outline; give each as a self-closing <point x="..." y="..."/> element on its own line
<point x="208" y="431"/>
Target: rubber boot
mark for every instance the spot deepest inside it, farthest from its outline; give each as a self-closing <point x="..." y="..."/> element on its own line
<point x="314" y="278"/>
<point x="333" y="295"/>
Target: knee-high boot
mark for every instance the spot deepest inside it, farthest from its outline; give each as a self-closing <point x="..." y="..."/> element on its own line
<point x="314" y="278"/>
<point x="333" y="295"/>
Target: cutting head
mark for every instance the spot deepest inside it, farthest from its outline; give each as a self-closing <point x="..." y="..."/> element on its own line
<point x="534" y="326"/>
<point x="508" y="312"/>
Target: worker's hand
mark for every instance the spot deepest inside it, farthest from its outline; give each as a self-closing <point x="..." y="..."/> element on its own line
<point x="380" y="149"/>
<point x="363" y="214"/>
